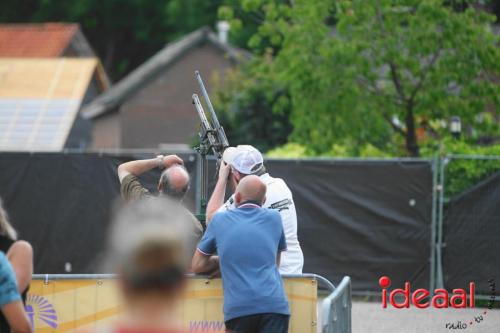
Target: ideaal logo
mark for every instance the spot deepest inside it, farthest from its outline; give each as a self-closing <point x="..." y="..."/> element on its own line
<point x="40" y="308"/>
<point x="419" y="298"/>
<point x="441" y="299"/>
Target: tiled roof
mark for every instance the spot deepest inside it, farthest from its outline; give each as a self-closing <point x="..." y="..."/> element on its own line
<point x="35" y="40"/>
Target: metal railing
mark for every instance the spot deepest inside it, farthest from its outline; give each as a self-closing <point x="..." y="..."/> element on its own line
<point x="336" y="309"/>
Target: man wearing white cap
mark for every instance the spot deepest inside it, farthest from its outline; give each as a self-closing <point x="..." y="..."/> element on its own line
<point x="245" y="160"/>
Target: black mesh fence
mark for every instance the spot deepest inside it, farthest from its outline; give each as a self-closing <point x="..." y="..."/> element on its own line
<point x="471" y="223"/>
<point x="362" y="218"/>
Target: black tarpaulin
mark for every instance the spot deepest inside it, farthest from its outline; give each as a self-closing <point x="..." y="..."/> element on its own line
<point x="471" y="237"/>
<point x="359" y="218"/>
<point x="364" y="219"/>
<point x="61" y="204"/>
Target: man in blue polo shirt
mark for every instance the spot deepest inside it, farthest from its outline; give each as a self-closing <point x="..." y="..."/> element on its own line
<point x="248" y="241"/>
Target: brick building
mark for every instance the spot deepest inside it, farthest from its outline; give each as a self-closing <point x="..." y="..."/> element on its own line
<point x="151" y="106"/>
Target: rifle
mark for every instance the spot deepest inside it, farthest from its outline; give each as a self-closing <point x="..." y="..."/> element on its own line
<point x="212" y="135"/>
<point x="212" y="139"/>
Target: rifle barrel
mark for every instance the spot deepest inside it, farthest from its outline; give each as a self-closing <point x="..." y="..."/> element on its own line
<point x="220" y="131"/>
<point x="207" y="99"/>
<point x="207" y="128"/>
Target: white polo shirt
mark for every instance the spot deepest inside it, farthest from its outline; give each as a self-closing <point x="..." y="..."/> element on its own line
<point x="279" y="197"/>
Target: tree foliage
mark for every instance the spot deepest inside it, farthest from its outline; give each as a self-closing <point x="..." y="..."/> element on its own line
<point x="461" y="173"/>
<point x="385" y="72"/>
<point x="254" y="108"/>
<point x="468" y="166"/>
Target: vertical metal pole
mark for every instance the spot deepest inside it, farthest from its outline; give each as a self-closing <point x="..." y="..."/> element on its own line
<point x="435" y="171"/>
<point x="349" y="308"/>
<point x="439" y="247"/>
<point x="201" y="196"/>
<point x="204" y="189"/>
<point x="198" y="190"/>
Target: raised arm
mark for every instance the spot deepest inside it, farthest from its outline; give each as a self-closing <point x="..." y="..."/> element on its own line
<point x="141" y="166"/>
<point x="217" y="198"/>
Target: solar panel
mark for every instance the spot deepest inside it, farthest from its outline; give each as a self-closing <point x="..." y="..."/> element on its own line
<point x="36" y="124"/>
<point x="39" y="101"/>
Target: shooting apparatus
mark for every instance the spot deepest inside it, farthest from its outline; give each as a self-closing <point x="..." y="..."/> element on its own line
<point x="212" y="140"/>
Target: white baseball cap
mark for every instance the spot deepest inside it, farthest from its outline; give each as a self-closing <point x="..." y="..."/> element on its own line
<point x="244" y="158"/>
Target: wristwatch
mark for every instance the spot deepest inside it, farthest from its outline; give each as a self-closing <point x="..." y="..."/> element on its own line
<point x="159" y="159"/>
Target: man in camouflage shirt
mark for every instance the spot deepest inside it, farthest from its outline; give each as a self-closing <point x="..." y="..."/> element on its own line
<point x="173" y="183"/>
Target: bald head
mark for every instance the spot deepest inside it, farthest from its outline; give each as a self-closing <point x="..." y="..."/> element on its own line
<point x="174" y="182"/>
<point x="250" y="188"/>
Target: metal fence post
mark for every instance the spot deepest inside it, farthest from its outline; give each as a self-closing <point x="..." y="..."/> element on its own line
<point x="435" y="171"/>
<point x="198" y="185"/>
<point x="439" y="245"/>
<point x="444" y="161"/>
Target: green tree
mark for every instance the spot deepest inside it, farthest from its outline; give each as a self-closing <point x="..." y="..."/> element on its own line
<point x="185" y="16"/>
<point x="387" y="69"/>
<point x="253" y="107"/>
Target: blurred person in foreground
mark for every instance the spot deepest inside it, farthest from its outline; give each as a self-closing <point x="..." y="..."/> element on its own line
<point x="146" y="245"/>
<point x="20" y="255"/>
<point x="245" y="160"/>
<point x="248" y="241"/>
<point x="11" y="306"/>
<point x="174" y="183"/>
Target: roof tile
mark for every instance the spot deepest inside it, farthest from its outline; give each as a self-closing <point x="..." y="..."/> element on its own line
<point x="35" y="40"/>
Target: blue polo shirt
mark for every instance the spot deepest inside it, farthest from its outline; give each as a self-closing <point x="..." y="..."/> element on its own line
<point x="8" y="284"/>
<point x="247" y="240"/>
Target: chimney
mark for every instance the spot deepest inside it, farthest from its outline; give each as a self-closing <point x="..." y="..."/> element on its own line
<point x="223" y="30"/>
